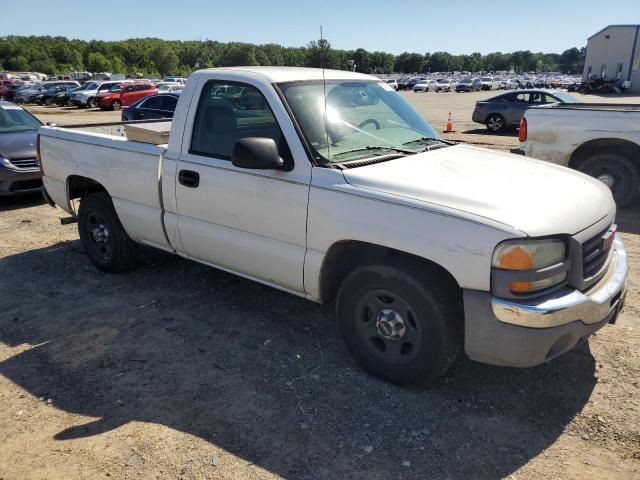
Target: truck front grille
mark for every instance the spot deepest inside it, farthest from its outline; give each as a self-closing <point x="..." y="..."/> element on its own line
<point x="594" y="256"/>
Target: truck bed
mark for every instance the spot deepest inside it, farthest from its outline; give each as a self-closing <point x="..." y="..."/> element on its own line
<point x="617" y="107"/>
<point x="130" y="171"/>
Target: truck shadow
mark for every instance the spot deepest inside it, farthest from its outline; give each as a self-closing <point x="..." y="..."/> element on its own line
<point x="261" y="374"/>
<point x="628" y="218"/>
<point x="509" y="132"/>
<point x="20" y="201"/>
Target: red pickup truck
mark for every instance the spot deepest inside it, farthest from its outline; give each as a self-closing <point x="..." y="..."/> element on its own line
<point x="124" y="94"/>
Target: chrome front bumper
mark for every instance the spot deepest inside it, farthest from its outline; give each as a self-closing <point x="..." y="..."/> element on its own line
<point x="568" y="305"/>
<point x="525" y="334"/>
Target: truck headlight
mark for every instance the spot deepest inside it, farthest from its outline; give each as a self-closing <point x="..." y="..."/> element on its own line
<point x="527" y="266"/>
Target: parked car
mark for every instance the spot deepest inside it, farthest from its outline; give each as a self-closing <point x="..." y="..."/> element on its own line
<point x="490" y="83"/>
<point x="62" y="98"/>
<point x="152" y="107"/>
<point x="169" y="87"/>
<point x="442" y="85"/>
<point x="393" y="83"/>
<point x="47" y="97"/>
<point x="427" y="248"/>
<point x="601" y="140"/>
<point x="85" y="98"/>
<point x="180" y="80"/>
<point x="412" y="82"/>
<point x="19" y="171"/>
<point x="506" y="110"/>
<point x="28" y="94"/>
<point x="124" y="95"/>
<point x="511" y="84"/>
<point x="7" y="91"/>
<point x="403" y="84"/>
<point x="469" y="84"/>
<point x="424" y="86"/>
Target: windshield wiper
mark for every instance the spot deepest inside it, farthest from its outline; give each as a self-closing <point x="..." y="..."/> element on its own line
<point x="424" y="140"/>
<point x="375" y="147"/>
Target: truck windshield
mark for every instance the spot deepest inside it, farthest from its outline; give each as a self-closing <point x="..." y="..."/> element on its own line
<point x="356" y="119"/>
<point x="15" y="119"/>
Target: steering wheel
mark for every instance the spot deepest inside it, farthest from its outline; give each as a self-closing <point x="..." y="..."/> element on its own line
<point x="366" y="122"/>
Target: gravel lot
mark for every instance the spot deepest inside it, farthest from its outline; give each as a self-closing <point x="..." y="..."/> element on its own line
<point x="176" y="370"/>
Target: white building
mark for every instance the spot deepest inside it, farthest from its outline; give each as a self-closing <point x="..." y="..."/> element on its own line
<point x="614" y="54"/>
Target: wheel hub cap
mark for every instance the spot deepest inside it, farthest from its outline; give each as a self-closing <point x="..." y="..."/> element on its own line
<point x="390" y="324"/>
<point x="100" y="234"/>
<point x="607" y="179"/>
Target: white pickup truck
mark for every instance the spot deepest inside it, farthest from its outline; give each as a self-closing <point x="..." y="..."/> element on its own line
<point x="601" y="140"/>
<point x="329" y="185"/>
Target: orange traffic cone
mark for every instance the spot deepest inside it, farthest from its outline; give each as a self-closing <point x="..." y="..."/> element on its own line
<point x="449" y="128"/>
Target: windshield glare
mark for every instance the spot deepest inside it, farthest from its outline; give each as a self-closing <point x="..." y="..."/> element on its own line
<point x="15" y="119"/>
<point x="358" y="114"/>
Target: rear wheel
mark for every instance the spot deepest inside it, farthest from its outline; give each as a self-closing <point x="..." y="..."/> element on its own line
<point x="400" y="323"/>
<point x="495" y="123"/>
<point x="617" y="172"/>
<point x="102" y="235"/>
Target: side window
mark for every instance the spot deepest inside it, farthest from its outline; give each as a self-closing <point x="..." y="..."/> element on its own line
<point x="508" y="98"/>
<point x="169" y="103"/>
<point x="550" y="99"/>
<point x="536" y="98"/>
<point x="521" y="98"/>
<point x="228" y="112"/>
<point x="153" y="102"/>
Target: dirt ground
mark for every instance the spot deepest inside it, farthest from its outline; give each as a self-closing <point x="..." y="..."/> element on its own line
<point x="177" y="370"/>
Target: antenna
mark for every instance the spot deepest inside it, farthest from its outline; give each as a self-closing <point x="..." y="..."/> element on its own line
<point x="324" y="90"/>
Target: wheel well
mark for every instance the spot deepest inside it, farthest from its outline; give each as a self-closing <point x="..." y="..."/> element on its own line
<point x="79" y="187"/>
<point x="623" y="147"/>
<point x="344" y="256"/>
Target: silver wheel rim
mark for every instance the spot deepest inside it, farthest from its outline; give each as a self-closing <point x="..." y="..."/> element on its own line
<point x="494" y="123"/>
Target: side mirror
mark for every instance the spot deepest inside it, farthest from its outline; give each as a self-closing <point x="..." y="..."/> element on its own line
<point x="257" y="153"/>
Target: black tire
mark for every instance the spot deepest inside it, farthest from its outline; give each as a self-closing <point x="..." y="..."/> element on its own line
<point x="431" y="334"/>
<point x="102" y="236"/>
<point x="116" y="105"/>
<point x="618" y="168"/>
<point x="91" y="103"/>
<point x="495" y="123"/>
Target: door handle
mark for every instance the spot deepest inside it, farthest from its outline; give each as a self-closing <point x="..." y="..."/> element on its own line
<point x="189" y="178"/>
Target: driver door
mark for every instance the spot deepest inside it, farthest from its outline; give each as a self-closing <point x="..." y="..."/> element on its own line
<point x="251" y="222"/>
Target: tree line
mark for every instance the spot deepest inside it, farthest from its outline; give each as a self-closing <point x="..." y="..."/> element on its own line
<point x="153" y="56"/>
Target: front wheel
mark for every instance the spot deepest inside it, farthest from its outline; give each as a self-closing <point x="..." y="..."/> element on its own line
<point x="617" y="172"/>
<point x="102" y="235"/>
<point x="399" y="322"/>
<point x="116" y="105"/>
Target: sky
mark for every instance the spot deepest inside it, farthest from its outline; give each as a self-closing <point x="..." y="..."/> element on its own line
<point x="461" y="26"/>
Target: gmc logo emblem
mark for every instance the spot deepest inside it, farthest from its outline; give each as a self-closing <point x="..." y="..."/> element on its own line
<point x="607" y="238"/>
